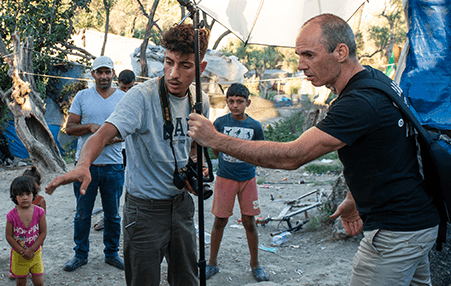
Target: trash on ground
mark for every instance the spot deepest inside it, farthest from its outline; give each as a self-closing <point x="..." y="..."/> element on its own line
<point x="269" y="249"/>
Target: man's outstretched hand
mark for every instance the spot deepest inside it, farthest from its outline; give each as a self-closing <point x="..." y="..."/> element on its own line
<point x="201" y="130"/>
<point x="350" y="218"/>
<point x="78" y="174"/>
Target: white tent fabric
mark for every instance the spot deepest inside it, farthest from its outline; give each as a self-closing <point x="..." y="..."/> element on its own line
<point x="272" y="22"/>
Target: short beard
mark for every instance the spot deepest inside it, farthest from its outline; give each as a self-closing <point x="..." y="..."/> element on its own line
<point x="104" y="85"/>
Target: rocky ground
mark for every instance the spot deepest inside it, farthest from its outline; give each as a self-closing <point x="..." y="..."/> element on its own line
<point x="311" y="257"/>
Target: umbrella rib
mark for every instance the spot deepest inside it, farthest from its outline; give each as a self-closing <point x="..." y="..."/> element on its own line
<point x="255" y="21"/>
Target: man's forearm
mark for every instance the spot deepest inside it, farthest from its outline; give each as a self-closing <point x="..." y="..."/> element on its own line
<point x="81" y="129"/>
<point x="312" y="144"/>
<point x="91" y="150"/>
<point x="266" y="154"/>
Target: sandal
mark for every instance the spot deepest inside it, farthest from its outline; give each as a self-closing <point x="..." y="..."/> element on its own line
<point x="260" y="274"/>
<point x="99" y="225"/>
<point x="210" y="271"/>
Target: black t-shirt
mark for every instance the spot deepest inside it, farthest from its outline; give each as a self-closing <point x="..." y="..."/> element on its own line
<point x="379" y="160"/>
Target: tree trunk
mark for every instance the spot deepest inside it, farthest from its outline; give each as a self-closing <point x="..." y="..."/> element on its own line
<point x="145" y="43"/>
<point x="107" y="25"/>
<point x="28" y="110"/>
<point x="315" y="115"/>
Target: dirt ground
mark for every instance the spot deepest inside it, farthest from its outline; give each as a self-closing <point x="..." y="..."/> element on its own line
<point x="309" y="258"/>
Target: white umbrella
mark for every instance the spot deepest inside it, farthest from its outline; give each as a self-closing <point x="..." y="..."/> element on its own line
<point x="272" y="22"/>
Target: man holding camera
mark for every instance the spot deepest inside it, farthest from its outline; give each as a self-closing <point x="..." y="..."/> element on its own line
<point x="158" y="217"/>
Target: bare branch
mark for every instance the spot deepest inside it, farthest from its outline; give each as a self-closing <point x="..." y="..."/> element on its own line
<point x="141" y="6"/>
<point x="371" y="55"/>
<point x="143" y="48"/>
<point x="215" y="46"/>
<point x="70" y="47"/>
<point x="74" y="54"/>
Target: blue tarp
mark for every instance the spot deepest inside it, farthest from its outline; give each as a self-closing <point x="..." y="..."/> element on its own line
<point x="426" y="80"/>
<point x="15" y="145"/>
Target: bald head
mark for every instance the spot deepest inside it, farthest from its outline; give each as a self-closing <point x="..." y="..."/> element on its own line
<point x="334" y="31"/>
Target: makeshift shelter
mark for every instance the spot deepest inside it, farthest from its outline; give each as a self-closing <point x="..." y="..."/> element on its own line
<point x="220" y="68"/>
<point x="426" y="75"/>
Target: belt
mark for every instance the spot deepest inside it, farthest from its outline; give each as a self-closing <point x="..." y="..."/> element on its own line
<point x="99" y="165"/>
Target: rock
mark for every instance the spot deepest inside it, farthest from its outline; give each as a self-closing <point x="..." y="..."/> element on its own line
<point x="21" y="164"/>
<point x="338" y="194"/>
<point x="338" y="232"/>
<point x="339" y="191"/>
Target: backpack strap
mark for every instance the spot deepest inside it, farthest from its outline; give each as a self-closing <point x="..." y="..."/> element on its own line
<point x="394" y="92"/>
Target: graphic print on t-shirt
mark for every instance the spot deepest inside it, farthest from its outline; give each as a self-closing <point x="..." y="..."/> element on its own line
<point x="237" y="132"/>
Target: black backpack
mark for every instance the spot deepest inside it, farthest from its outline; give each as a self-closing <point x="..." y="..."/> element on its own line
<point x="435" y="149"/>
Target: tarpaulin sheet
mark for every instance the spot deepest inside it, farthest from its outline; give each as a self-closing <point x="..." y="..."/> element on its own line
<point x="426" y="80"/>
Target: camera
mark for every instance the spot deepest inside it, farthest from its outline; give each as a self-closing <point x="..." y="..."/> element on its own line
<point x="189" y="172"/>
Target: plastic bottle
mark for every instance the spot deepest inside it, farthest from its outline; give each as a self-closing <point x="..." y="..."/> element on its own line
<point x="281" y="238"/>
<point x="207" y="236"/>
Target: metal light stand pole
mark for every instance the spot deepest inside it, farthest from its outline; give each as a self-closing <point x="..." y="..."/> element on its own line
<point x="194" y="14"/>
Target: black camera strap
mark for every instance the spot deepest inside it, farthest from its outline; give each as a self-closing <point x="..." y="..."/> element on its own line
<point x="167" y="117"/>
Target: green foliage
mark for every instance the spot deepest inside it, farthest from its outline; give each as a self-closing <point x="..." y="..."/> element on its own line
<point x="380" y="36"/>
<point x="322" y="168"/>
<point x="322" y="220"/>
<point x="211" y="154"/>
<point x="330" y="156"/>
<point x="285" y="130"/>
<point x="293" y="86"/>
<point x="253" y="56"/>
<point x="261" y="180"/>
<point x="69" y="153"/>
<point x="5" y="80"/>
<point x="251" y="85"/>
<point x="48" y="22"/>
<point x="67" y="94"/>
<point x="41" y="86"/>
<point x="270" y="94"/>
<point x="315" y="168"/>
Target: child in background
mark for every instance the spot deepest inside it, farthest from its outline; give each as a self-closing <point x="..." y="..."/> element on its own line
<point x="26" y="229"/>
<point x="236" y="178"/>
<point x="36" y="175"/>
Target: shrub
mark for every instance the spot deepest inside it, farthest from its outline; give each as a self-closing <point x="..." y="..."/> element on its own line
<point x="293" y="85"/>
<point x="285" y="130"/>
<point x="322" y="168"/>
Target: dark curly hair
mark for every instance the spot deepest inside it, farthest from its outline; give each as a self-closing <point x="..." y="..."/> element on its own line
<point x="34" y="173"/>
<point x="23" y="184"/>
<point x="181" y="39"/>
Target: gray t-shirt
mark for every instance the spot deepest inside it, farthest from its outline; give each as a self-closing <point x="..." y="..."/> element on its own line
<point x="93" y="108"/>
<point x="150" y="162"/>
